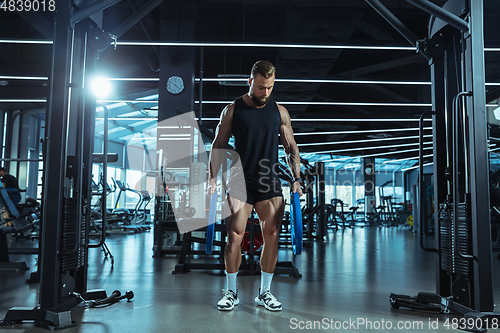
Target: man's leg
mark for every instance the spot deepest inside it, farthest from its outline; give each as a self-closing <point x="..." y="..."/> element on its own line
<point x="270" y="213"/>
<point x="235" y="226"/>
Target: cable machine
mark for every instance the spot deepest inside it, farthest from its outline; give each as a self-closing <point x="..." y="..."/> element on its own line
<point x="455" y="50"/>
<point x="66" y="199"/>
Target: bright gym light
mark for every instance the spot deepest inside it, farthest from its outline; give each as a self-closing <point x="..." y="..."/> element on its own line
<point x="100" y="87"/>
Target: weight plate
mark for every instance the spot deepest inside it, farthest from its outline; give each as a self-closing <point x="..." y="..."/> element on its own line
<point x="211" y="223"/>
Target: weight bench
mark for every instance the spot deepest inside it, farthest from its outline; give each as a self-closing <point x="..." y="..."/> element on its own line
<point x="7" y="203"/>
<point x="14" y="216"/>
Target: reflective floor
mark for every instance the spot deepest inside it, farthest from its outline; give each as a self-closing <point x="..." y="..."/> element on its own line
<point x="345" y="287"/>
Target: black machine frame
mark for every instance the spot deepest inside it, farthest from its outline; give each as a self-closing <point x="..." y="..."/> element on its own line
<point x="66" y="196"/>
<point x="455" y="50"/>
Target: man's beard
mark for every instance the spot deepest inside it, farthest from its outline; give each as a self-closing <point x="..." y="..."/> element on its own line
<point x="259" y="101"/>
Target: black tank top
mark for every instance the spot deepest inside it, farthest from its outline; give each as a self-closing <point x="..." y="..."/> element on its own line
<point x="256" y="134"/>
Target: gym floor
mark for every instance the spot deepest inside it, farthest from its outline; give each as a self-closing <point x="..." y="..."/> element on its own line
<point x="345" y="281"/>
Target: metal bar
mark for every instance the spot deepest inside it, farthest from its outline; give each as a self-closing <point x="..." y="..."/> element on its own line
<point x="89" y="111"/>
<point x="320" y="190"/>
<point x="73" y="129"/>
<point x="104" y="173"/>
<point x="396" y="23"/>
<point x="201" y="87"/>
<point x="79" y="143"/>
<point x="136" y="17"/>
<point x="457" y="135"/>
<point x="8" y="137"/>
<point x="39" y="22"/>
<point x="2" y="128"/>
<point x="479" y="185"/>
<point x="441" y="153"/>
<point x="104" y="223"/>
<point x="441" y="13"/>
<point x="20" y="160"/>
<point x="55" y="166"/>
<point x="421" y="202"/>
<point x="33" y="250"/>
<point x="393" y="20"/>
<point x="85" y="12"/>
<point x="145" y="30"/>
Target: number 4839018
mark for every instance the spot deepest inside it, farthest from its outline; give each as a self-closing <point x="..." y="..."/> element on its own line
<point x="471" y="323"/>
<point x="27" y="5"/>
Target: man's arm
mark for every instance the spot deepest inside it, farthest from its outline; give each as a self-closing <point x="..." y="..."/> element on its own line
<point x="291" y="149"/>
<point x="222" y="134"/>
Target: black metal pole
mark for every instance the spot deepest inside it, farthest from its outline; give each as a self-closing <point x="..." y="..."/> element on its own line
<point x="136" y="17"/>
<point x="85" y="12"/>
<point x="441" y="13"/>
<point x="88" y="110"/>
<point x="457" y="135"/>
<point x="200" y="121"/>
<point x="320" y="190"/>
<point x="55" y="165"/>
<point x="421" y="182"/>
<point x="394" y="21"/>
<point x="21" y="160"/>
<point x="478" y="161"/>
<point x="104" y="223"/>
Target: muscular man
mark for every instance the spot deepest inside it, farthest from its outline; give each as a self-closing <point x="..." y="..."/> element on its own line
<point x="258" y="124"/>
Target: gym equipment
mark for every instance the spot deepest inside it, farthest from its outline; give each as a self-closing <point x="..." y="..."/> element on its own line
<point x="310" y="211"/>
<point x="98" y="212"/>
<point x="409" y="220"/>
<point x="331" y="216"/>
<point x="333" y="213"/>
<point x="66" y="197"/>
<point x="115" y="297"/>
<point x="460" y="166"/>
<point x="296" y="223"/>
<point x="119" y="220"/>
<point x="258" y="240"/>
<point x="375" y="219"/>
<point x="132" y="220"/>
<point x="4" y="251"/>
<point x="22" y="223"/>
<point x="167" y="238"/>
<point x="211" y="223"/>
<point x="248" y="264"/>
<point x="495" y="208"/>
<point x="140" y="214"/>
<point x="423" y="302"/>
<point x="388" y="212"/>
<point x="184" y="265"/>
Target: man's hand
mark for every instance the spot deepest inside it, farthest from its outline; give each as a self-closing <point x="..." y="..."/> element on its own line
<point x="297" y="187"/>
<point x="211" y="186"/>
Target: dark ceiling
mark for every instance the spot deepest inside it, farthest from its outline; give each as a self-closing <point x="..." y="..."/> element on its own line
<point x="317" y="22"/>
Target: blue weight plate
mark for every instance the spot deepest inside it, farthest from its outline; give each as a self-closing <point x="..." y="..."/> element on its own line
<point x="211" y="223"/>
<point x="296" y="223"/>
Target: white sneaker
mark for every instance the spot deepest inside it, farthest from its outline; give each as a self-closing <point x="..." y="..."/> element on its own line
<point x="268" y="301"/>
<point x="228" y="301"/>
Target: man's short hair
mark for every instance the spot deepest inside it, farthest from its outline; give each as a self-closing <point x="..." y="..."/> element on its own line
<point x="264" y="68"/>
<point x="2" y="169"/>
